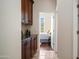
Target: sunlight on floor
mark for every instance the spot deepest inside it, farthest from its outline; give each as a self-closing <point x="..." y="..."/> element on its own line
<point x="45" y="54"/>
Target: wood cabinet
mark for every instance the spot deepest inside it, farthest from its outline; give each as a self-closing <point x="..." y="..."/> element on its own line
<point x="30" y="15"/>
<point x="29" y="47"/>
<point x="27" y="11"/>
<point x="33" y="45"/>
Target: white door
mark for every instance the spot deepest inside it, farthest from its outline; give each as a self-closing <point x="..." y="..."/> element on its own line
<point x="53" y="32"/>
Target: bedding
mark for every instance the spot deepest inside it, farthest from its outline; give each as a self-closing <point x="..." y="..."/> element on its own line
<point x="44" y="37"/>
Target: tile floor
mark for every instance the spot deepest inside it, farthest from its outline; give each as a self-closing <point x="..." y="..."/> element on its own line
<point x="45" y="53"/>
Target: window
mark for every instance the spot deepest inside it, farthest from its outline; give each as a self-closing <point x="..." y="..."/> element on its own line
<point x="42" y="23"/>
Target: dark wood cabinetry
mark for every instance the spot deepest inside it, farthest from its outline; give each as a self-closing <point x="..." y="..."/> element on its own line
<point x="34" y="45"/>
<point x="29" y="47"/>
<point x="27" y="11"/>
<point x="30" y="12"/>
<point x="28" y="50"/>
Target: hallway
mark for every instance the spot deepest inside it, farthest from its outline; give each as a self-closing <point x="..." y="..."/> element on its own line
<point x="45" y="53"/>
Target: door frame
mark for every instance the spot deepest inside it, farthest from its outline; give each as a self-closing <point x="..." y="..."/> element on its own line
<point x="55" y="17"/>
<point x="75" y="28"/>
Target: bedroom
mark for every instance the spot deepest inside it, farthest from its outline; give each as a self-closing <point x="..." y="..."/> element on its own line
<point x="47" y="30"/>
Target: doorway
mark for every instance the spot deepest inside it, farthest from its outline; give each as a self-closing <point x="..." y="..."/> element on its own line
<point x="47" y="31"/>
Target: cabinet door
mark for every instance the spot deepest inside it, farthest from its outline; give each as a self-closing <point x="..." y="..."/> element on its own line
<point x="22" y="6"/>
<point x="35" y="44"/>
<point x="22" y="11"/>
<point x="28" y="55"/>
<point x="23" y="52"/>
<point x="33" y="49"/>
<point x="27" y="8"/>
<point x="30" y="20"/>
<point x="26" y="11"/>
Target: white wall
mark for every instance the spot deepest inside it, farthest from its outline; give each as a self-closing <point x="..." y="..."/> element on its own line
<point x="10" y="29"/>
<point x="65" y="29"/>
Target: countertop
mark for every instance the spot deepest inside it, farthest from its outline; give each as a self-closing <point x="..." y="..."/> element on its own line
<point x="26" y="40"/>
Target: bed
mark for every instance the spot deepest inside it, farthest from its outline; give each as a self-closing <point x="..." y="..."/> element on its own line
<point x="44" y="37"/>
